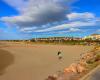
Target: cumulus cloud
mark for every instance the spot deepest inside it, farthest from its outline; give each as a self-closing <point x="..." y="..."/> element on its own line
<point x="39" y="12"/>
<point x="37" y="15"/>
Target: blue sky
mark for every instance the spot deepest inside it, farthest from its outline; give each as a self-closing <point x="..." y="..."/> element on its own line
<point x="26" y="19"/>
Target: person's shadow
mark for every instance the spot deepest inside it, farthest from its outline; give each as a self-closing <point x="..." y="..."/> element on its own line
<point x="6" y="59"/>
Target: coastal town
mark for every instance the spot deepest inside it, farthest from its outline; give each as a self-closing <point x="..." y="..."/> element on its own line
<point x="91" y="37"/>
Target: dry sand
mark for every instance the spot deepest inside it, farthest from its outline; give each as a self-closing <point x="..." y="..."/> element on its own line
<point x="35" y="62"/>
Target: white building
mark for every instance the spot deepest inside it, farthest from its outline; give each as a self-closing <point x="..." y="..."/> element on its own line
<point x="93" y="37"/>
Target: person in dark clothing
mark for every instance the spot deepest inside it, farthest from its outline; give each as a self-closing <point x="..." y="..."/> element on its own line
<point x="59" y="55"/>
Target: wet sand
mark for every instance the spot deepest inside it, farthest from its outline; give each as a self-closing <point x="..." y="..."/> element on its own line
<point x="36" y="62"/>
<point x="6" y="59"/>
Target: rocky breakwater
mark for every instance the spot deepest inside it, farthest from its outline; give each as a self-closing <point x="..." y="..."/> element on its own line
<point x="77" y="70"/>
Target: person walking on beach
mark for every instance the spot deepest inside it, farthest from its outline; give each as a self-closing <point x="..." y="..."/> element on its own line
<point x="59" y="55"/>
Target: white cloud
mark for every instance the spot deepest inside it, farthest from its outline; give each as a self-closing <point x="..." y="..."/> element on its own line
<point x="38" y="12"/>
<point x="22" y="4"/>
<point x="19" y="5"/>
<point x="86" y="19"/>
<point x="28" y="29"/>
<point x="74" y="30"/>
<point x="67" y="31"/>
<point x="75" y="24"/>
<point x="81" y="16"/>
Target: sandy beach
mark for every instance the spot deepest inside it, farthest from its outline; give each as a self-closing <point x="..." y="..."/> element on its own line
<point x="35" y="62"/>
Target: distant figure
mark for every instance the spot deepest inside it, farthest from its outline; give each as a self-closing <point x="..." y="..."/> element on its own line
<point x="59" y="55"/>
